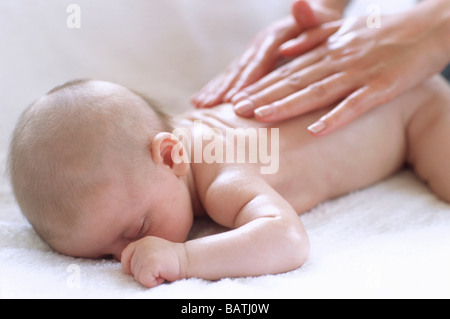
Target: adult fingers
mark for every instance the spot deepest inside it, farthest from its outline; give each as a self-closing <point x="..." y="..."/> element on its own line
<point x="218" y="93"/>
<point x="316" y="96"/>
<point x="309" y="39"/>
<point x="213" y="93"/>
<point x="267" y="54"/>
<point x="309" y="78"/>
<point x="355" y="105"/>
<point x="200" y="99"/>
<point x="303" y="14"/>
<point x="307" y="16"/>
<point x="258" y="60"/>
<point x="309" y="42"/>
<point x="261" y="63"/>
<point x="282" y="73"/>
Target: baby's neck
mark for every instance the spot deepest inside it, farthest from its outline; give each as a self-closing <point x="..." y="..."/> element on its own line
<point x="197" y="206"/>
<point x="182" y="122"/>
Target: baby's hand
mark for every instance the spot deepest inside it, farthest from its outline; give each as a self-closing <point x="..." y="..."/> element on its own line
<point x="152" y="260"/>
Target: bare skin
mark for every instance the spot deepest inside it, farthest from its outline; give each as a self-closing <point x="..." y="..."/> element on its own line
<point x="344" y="62"/>
<point x="261" y="211"/>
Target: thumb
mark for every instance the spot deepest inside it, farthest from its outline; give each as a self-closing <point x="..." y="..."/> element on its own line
<point x="308" y="16"/>
<point x="127" y="256"/>
<point x="304" y="14"/>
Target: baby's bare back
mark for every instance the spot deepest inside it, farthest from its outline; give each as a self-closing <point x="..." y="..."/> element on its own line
<point x="313" y="169"/>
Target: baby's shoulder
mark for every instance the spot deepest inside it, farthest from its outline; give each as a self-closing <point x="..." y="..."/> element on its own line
<point x="224" y="189"/>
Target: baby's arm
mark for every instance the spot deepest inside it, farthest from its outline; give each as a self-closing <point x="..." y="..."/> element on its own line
<point x="266" y="237"/>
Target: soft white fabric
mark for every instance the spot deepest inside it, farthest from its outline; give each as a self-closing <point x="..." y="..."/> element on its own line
<point x="390" y="240"/>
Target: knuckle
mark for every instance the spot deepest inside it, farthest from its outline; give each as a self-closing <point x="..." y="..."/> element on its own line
<point x="285" y="71"/>
<point x="147" y="280"/>
<point x="352" y="104"/>
<point x="385" y="97"/>
<point x="353" y="78"/>
<point x="317" y="89"/>
<point x="376" y="73"/>
<point x="295" y="81"/>
<point x="284" y="108"/>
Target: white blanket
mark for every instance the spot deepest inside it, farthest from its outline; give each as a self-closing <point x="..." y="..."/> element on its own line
<point x="390" y="240"/>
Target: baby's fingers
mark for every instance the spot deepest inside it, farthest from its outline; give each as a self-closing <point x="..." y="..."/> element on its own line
<point x="127" y="256"/>
<point x="147" y="276"/>
<point x="142" y="269"/>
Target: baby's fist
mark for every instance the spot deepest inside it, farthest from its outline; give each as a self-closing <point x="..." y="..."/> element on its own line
<point x="152" y="260"/>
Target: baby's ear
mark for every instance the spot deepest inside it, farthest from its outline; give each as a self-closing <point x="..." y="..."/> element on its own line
<point x="167" y="150"/>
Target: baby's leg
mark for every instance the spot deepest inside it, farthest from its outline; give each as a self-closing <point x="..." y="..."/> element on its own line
<point x="429" y="139"/>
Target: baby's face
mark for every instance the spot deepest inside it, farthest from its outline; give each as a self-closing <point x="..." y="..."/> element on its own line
<point x="156" y="203"/>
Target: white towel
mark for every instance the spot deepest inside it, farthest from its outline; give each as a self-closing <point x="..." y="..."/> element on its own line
<point x="390" y="240"/>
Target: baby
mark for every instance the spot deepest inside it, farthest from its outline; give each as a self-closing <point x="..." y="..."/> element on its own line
<point x="99" y="171"/>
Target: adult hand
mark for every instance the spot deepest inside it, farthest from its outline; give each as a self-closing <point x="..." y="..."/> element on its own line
<point x="263" y="54"/>
<point x="359" y="66"/>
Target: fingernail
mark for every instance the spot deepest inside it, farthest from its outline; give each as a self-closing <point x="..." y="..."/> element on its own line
<point x="265" y="111"/>
<point x="317" y="127"/>
<point x="208" y="100"/>
<point x="230" y="94"/>
<point x="244" y="107"/>
<point x="287" y="45"/>
<point x="239" y="97"/>
<point x="199" y="99"/>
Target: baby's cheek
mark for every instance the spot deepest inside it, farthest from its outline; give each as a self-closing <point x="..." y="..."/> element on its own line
<point x="175" y="229"/>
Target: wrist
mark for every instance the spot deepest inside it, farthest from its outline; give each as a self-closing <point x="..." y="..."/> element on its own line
<point x="435" y="15"/>
<point x="446" y="29"/>
<point x="438" y="13"/>
<point x="183" y="261"/>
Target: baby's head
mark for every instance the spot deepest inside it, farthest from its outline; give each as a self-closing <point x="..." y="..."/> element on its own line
<point x="91" y="169"/>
